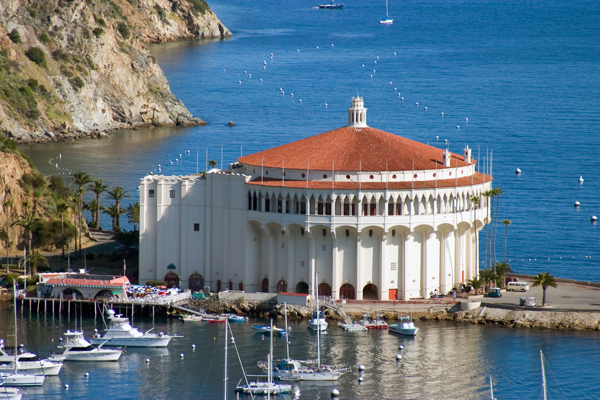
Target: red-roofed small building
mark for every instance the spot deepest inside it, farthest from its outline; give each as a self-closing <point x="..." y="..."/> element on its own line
<point x="376" y="215"/>
<point x="77" y="286"/>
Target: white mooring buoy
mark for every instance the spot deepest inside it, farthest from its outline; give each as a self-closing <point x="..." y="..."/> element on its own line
<point x="193" y="346"/>
<point x="335" y="392"/>
<point x="401" y="347"/>
<point x="577" y="204"/>
<point x="581" y="179"/>
<point x="360" y="379"/>
<point x="594" y="218"/>
<point x="181" y="355"/>
<point x="518" y="171"/>
<point x="66" y="386"/>
<point x="361" y="367"/>
<point x="147" y="360"/>
<point x="87" y="374"/>
<point x="398" y="357"/>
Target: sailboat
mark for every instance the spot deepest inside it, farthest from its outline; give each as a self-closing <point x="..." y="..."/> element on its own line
<point x="16" y="378"/>
<point x="9" y="393"/>
<point x="317" y="322"/>
<point x="386" y="20"/>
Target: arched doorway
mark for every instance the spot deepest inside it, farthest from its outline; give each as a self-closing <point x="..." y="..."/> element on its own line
<point x="347" y="291"/>
<point x="196" y="282"/>
<point x="281" y="286"/>
<point x="370" y="292"/>
<point x="264" y="287"/>
<point x="74" y="294"/>
<point x="324" y="289"/>
<point x="103" y="295"/>
<point x="302" y="287"/>
<point x="241" y="286"/>
<point x="172" y="280"/>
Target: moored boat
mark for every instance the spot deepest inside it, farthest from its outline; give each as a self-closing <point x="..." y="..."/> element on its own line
<point x="79" y="349"/>
<point x="405" y="326"/>
<point x="18" y="379"/>
<point x="352" y="326"/>
<point x="379" y="322"/>
<point x="9" y="393"/>
<point x="267" y="329"/>
<point x="331" y="5"/>
<point x="121" y="333"/>
<point x="317" y="321"/>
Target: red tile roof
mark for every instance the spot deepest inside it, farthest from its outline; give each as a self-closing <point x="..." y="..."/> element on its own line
<point x="117" y="282"/>
<point x="478" y="178"/>
<point x="354" y="149"/>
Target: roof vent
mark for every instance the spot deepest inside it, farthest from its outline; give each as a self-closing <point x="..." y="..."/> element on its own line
<point x="467" y="153"/>
<point x="447" y="158"/>
<point x="357" y="113"/>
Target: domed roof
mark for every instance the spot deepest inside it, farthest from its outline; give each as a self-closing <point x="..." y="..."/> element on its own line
<point x="354" y="149"/>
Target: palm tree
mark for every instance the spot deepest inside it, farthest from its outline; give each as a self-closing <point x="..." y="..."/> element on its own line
<point x="128" y="239"/>
<point x="80" y="178"/>
<point x="544" y="280"/>
<point x="118" y="194"/>
<point x="97" y="187"/>
<point x="4" y="235"/>
<point x="27" y="222"/>
<point x="92" y="206"/>
<point x="501" y="270"/>
<point x="212" y="163"/>
<point x="488" y="276"/>
<point x="488" y="195"/>
<point x="476" y="283"/>
<point x="506" y="223"/>
<point x="133" y="214"/>
<point x="497" y="192"/>
<point x="62" y="208"/>
<point x="34" y="260"/>
<point x="114" y="212"/>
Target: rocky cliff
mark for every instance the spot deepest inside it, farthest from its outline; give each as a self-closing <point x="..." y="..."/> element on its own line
<point x="72" y="68"/>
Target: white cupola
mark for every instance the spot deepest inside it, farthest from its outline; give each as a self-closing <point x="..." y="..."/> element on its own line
<point x="357" y="113"/>
<point x="467" y="153"/>
<point x="447" y="157"/>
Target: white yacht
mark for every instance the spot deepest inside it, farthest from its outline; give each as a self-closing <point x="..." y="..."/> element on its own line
<point x="352" y="326"/>
<point x="405" y="326"/>
<point x="79" y="349"/>
<point x="299" y="370"/>
<point x="12" y="379"/>
<point x="264" y="388"/>
<point x="121" y="333"/>
<point x="317" y="321"/>
<point x="9" y="393"/>
<point x="26" y="363"/>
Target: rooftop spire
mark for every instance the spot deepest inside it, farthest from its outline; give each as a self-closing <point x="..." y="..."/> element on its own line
<point x="357" y="113"/>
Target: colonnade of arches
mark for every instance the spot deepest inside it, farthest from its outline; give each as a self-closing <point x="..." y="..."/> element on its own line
<point x="365" y="204"/>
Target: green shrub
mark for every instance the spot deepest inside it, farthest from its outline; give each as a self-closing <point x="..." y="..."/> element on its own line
<point x="100" y="21"/>
<point x="61" y="55"/>
<point x="32" y="83"/>
<point x="124" y="30"/>
<point x="175" y="6"/>
<point x="156" y="283"/>
<point x="77" y="83"/>
<point x="86" y="32"/>
<point x="33" y="13"/>
<point x="36" y="55"/>
<point x="15" y="36"/>
<point x="160" y="11"/>
<point x="9" y="146"/>
<point x="200" y="6"/>
<point x="98" y="32"/>
<point x="44" y="38"/>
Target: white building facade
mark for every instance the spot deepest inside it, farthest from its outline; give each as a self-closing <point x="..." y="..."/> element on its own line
<point x="375" y="215"/>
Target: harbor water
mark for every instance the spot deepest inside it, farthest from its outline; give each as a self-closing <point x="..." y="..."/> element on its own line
<point x="446" y="360"/>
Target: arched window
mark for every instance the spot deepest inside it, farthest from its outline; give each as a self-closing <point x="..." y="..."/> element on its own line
<point x="264" y="287"/>
<point x="196" y="282"/>
<point x="370" y="292"/>
<point x="347" y="291"/>
<point x="302" y="287"/>
<point x="324" y="289"/>
<point x="281" y="286"/>
<point x="172" y="280"/>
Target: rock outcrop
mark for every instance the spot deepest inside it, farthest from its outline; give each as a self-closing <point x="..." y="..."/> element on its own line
<point x="73" y="68"/>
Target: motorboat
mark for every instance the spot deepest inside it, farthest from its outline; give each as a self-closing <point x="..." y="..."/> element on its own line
<point x="268" y="329"/>
<point x="298" y="370"/>
<point x="386" y="20"/>
<point x="405" y="326"/>
<point x="192" y="318"/>
<point x="26" y="363"/>
<point x="352" y="326"/>
<point x="79" y="349"/>
<point x="367" y="322"/>
<point x="121" y="333"/>
<point x="379" y="322"/>
<point x="317" y="322"/>
<point x="9" y="393"/>
<point x="236" y="318"/>
<point x="258" y="387"/>
<point x="331" y="6"/>
<point x="18" y="379"/>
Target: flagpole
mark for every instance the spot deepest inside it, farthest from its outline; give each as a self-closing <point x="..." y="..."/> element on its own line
<point x="283" y="173"/>
<point x="262" y="161"/>
<point x="124" y="267"/>
<point x="307" y="169"/>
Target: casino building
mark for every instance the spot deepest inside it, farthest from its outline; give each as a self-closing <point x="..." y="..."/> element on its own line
<point x="375" y="215"/>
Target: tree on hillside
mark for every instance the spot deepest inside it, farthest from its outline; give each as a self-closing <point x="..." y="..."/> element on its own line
<point x="34" y="260"/>
<point x="544" y="280"/>
<point x="91" y="206"/>
<point x="128" y="239"/>
<point x="133" y="214"/>
<point x="61" y="209"/>
<point x="506" y="223"/>
<point x="27" y="222"/>
<point x="114" y="212"/>
<point x="80" y="178"/>
<point x="97" y="187"/>
<point x="117" y="194"/>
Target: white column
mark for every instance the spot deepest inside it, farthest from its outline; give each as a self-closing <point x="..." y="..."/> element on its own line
<point x="335" y="273"/>
<point x="383" y="280"/>
<point x="291" y="249"/>
<point x="424" y="281"/>
<point x="311" y="260"/>
<point x="183" y="227"/>
<point x="358" y="284"/>
<point x="208" y="279"/>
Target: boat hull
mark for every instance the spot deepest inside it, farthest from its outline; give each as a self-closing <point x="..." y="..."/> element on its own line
<point x="101" y="355"/>
<point x="307" y="376"/>
<point x="404" y="331"/>
<point x="143" y="341"/>
<point x="48" y="370"/>
<point x="22" y="380"/>
<point x="312" y="324"/>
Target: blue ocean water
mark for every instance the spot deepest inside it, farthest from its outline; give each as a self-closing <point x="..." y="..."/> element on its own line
<point x="526" y="74"/>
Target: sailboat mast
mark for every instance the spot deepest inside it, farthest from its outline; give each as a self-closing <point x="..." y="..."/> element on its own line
<point x="287" y="333"/>
<point x="15" y="302"/>
<point x="543" y="375"/>
<point x="387" y="13"/>
<point x="491" y="389"/>
<point x="270" y="364"/>
<point x="225" y="392"/>
<point x="318" y="324"/>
